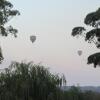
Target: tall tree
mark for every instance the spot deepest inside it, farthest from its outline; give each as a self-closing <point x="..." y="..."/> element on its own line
<point x="92" y="36"/>
<point x="27" y="81"/>
<point x="6" y="14"/>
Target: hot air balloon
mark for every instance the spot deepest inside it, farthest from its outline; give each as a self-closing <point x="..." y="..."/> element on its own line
<point x="79" y="52"/>
<point x="32" y="38"/>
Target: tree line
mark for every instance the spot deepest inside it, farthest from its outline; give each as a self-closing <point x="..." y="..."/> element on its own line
<point x="28" y="81"/>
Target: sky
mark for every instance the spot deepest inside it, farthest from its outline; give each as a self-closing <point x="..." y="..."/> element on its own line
<point x="52" y="21"/>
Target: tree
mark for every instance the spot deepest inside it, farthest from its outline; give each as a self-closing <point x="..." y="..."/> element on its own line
<point x="28" y="81"/>
<point x="6" y="14"/>
<point x="92" y="36"/>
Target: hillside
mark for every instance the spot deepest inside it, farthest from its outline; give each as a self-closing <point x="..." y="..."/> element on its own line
<point x="84" y="88"/>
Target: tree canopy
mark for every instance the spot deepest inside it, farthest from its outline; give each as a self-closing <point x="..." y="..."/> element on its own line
<point x="28" y="81"/>
<point x="6" y="14"/>
<point x="92" y="36"/>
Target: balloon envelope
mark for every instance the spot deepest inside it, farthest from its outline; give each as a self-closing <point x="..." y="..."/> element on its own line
<point x="32" y="38"/>
<point x="79" y="52"/>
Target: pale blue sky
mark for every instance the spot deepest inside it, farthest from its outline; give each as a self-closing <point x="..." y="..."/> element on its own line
<point x="52" y="21"/>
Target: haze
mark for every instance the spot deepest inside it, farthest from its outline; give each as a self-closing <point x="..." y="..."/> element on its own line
<point x="52" y="22"/>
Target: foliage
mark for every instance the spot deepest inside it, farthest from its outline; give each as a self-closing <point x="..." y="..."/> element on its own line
<point x="6" y="14"/>
<point x="76" y="94"/>
<point x="92" y="36"/>
<point x="28" y="81"/>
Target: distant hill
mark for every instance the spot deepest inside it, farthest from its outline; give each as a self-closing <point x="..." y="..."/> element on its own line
<point x="84" y="88"/>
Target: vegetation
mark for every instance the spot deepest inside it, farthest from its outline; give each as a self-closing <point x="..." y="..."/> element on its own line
<point x="92" y="36"/>
<point x="27" y="81"/>
<point x="6" y="14"/>
<point x="76" y="94"/>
